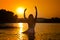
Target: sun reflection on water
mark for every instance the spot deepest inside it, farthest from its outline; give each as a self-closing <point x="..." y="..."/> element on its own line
<point x="21" y="27"/>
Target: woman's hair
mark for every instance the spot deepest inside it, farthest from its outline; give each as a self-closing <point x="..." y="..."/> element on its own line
<point x="31" y="16"/>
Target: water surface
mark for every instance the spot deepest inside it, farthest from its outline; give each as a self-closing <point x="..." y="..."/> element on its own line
<point x="43" y="31"/>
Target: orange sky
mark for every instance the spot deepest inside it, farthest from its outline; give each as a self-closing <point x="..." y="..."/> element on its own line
<point x="46" y="8"/>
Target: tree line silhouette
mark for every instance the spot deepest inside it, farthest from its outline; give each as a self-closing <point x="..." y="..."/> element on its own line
<point x="45" y="20"/>
<point x="9" y="17"/>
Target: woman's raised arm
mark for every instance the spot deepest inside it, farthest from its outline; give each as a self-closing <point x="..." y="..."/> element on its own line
<point x="36" y="12"/>
<point x="24" y="13"/>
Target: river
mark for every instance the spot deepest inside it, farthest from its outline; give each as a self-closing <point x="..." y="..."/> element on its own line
<point x="43" y="31"/>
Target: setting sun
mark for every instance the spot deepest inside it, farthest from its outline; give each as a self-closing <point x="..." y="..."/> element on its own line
<point x="20" y="10"/>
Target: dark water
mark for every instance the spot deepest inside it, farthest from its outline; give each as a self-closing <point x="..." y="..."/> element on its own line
<point x="43" y="31"/>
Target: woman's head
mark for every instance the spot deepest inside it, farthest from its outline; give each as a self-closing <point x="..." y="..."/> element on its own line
<point x="31" y="16"/>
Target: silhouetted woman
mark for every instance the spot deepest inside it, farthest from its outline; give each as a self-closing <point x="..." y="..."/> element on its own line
<point x="31" y="24"/>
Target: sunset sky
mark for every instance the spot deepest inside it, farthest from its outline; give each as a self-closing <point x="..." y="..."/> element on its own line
<point x="46" y="8"/>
